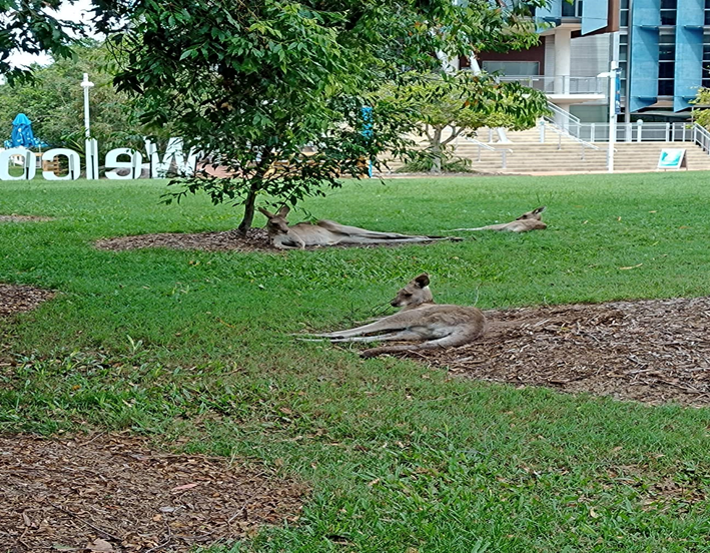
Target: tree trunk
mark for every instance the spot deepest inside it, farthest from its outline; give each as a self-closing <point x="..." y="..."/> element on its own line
<point x="249" y="205"/>
<point x="436" y="148"/>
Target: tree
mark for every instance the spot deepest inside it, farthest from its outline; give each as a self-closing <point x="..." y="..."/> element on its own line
<point x="255" y="82"/>
<point x="702" y="115"/>
<point x="54" y="103"/>
<point x="463" y="102"/>
<point x="28" y="26"/>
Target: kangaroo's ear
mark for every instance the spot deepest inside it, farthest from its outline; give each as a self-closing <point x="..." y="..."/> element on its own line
<point x="539" y="210"/>
<point x="422" y="280"/>
<point x="266" y="212"/>
<point x="283" y="211"/>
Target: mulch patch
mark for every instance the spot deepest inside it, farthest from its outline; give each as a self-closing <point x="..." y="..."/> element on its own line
<point x="256" y="239"/>
<point x="115" y="493"/>
<point x="23" y="219"/>
<point x="652" y="351"/>
<point x="15" y="299"/>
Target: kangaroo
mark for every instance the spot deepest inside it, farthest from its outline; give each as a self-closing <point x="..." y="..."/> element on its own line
<point x="330" y="233"/>
<point x="420" y="320"/>
<point x="532" y="220"/>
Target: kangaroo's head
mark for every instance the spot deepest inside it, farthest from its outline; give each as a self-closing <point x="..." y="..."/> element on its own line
<point x="415" y="293"/>
<point x="535" y="215"/>
<point x="277" y="223"/>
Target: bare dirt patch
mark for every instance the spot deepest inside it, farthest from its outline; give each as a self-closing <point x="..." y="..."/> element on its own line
<point x="650" y="351"/>
<point x="15" y="299"/>
<point x="23" y="219"/>
<point x="114" y="493"/>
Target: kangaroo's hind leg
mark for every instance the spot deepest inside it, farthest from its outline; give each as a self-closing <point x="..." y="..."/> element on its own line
<point x="388" y="323"/>
<point x="404" y="335"/>
<point x="452" y="340"/>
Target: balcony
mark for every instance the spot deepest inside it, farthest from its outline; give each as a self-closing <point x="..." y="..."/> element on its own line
<point x="560" y="84"/>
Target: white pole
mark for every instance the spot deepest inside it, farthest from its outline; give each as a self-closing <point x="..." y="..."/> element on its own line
<point x="91" y="161"/>
<point x="86" y="85"/>
<point x="612" y="115"/>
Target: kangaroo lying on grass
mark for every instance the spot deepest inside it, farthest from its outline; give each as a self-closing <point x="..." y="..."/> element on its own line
<point x="330" y="233"/>
<point x="532" y="220"/>
<point x="420" y="319"/>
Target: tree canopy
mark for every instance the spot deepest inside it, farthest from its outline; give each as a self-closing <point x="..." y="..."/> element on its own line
<point x="702" y="114"/>
<point x="29" y="26"/>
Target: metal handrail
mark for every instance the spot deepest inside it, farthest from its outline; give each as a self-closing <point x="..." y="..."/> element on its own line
<point x="560" y="132"/>
<point x="482" y="145"/>
<point x="554" y="108"/>
<point x="701" y="137"/>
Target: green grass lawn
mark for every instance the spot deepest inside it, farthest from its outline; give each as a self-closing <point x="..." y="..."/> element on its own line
<point x="400" y="457"/>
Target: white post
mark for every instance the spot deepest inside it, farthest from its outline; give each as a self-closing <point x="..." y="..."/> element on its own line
<point x="612" y="114"/>
<point x="91" y="164"/>
<point x="86" y="85"/>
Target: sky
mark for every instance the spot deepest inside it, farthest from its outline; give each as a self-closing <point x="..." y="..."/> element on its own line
<point x="71" y="12"/>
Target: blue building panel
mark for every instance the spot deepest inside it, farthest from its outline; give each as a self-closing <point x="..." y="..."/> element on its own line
<point x="646" y="19"/>
<point x="552" y="11"/>
<point x="689" y="52"/>
<point x="595" y="15"/>
<point x="551" y="15"/>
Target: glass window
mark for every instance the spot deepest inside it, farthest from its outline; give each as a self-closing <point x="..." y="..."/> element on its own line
<point x="666" y="52"/>
<point x="666" y="70"/>
<point x="668" y="12"/>
<point x="665" y="87"/>
<point x="572" y="10"/>
<point x="668" y="17"/>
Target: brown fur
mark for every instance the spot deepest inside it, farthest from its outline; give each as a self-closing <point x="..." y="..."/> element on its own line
<point x="532" y="220"/>
<point x="420" y="320"/>
<point x="330" y="233"/>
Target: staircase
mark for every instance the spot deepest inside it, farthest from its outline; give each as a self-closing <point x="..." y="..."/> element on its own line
<point x="560" y="153"/>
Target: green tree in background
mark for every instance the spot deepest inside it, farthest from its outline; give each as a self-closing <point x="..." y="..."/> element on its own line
<point x="702" y="114"/>
<point x="54" y="103"/>
<point x="451" y="106"/>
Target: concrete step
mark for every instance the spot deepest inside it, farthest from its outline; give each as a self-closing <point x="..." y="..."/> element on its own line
<point x="535" y="157"/>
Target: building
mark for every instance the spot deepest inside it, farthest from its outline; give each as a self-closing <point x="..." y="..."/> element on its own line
<point x="662" y="46"/>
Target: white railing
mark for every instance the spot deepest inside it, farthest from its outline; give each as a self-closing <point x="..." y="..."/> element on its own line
<point x="560" y="133"/>
<point x="560" y="84"/>
<point x="564" y="124"/>
<point x="701" y="136"/>
<point x="483" y="146"/>
<point x="638" y="132"/>
<point x="563" y="119"/>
